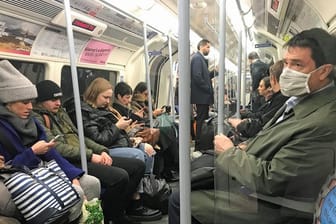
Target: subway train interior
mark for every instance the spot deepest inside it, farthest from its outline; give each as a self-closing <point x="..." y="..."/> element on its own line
<point x="154" y="41"/>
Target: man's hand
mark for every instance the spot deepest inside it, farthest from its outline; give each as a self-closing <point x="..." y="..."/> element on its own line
<point x="103" y="159"/>
<point x="107" y="160"/>
<point x="222" y="143"/>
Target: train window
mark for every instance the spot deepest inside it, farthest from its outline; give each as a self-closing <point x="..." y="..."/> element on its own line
<point x="35" y="72"/>
<point x="85" y="77"/>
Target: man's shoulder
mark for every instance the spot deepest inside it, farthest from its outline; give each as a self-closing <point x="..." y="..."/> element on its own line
<point x="259" y="64"/>
<point x="197" y="56"/>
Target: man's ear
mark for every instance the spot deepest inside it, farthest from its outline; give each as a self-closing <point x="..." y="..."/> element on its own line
<point x="326" y="69"/>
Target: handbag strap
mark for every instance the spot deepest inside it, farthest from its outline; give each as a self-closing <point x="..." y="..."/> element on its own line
<point x="7" y="144"/>
<point x="47" y="120"/>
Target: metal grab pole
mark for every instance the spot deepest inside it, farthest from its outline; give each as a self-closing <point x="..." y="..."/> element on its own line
<point x="240" y="43"/>
<point x="150" y="107"/>
<point x="221" y="82"/>
<point x="184" y="109"/>
<point x="171" y="100"/>
<point x="244" y="69"/>
<point x="75" y="84"/>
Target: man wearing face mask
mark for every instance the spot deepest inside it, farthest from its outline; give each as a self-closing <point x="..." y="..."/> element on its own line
<point x="290" y="159"/>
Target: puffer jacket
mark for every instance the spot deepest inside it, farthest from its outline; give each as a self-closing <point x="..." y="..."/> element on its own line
<point x="99" y="125"/>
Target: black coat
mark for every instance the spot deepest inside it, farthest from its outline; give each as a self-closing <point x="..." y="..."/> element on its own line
<point x="99" y="125"/>
<point x="258" y="71"/>
<point x="126" y="112"/>
<point x="201" y="85"/>
<point x="250" y="127"/>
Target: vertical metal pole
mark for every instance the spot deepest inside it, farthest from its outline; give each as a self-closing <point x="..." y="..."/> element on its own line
<point x="171" y="80"/>
<point x="244" y="69"/>
<point x="221" y="82"/>
<point x="149" y="89"/>
<point x="184" y="105"/>
<point x="75" y="84"/>
<point x="240" y="46"/>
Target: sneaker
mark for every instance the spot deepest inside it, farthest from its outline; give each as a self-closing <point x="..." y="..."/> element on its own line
<point x="142" y="213"/>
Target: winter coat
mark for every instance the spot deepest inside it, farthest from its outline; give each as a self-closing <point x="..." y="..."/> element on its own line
<point x="289" y="159"/>
<point x="99" y="125"/>
<point x="258" y="71"/>
<point x="25" y="155"/>
<point x="250" y="127"/>
<point x="201" y="86"/>
<point x="68" y="144"/>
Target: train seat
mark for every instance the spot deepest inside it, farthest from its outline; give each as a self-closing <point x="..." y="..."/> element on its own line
<point x="326" y="203"/>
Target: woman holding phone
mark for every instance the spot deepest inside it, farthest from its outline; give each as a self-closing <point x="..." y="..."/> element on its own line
<point x="27" y="136"/>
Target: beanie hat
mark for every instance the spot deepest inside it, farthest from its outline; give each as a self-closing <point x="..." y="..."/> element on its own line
<point x="47" y="90"/>
<point x="14" y="86"/>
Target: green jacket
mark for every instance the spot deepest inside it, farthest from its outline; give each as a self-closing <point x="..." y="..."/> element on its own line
<point x="68" y="144"/>
<point x="290" y="159"/>
<point x="286" y="158"/>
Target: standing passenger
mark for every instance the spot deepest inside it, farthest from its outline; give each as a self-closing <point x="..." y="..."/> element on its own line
<point x="291" y="157"/>
<point x="202" y="94"/>
<point x="258" y="70"/>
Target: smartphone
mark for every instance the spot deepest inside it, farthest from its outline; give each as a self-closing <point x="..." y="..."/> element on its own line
<point x="56" y="137"/>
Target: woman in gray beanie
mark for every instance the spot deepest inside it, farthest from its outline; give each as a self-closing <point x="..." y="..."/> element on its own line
<point x="25" y="134"/>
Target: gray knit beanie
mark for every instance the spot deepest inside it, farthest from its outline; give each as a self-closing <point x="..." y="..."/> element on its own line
<point x="14" y="86"/>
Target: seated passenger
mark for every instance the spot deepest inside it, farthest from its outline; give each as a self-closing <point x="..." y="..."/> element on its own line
<point x="249" y="127"/>
<point x="118" y="176"/>
<point x="140" y="101"/>
<point x="102" y="126"/>
<point x="121" y="103"/>
<point x="122" y="100"/>
<point x="291" y="157"/>
<point x="265" y="91"/>
<point x="168" y="135"/>
<point x="27" y="136"/>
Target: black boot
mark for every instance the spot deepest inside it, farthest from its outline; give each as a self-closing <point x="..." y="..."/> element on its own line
<point x="138" y="212"/>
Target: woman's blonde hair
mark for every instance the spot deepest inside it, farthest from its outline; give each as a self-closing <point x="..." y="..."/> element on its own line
<point x="96" y="87"/>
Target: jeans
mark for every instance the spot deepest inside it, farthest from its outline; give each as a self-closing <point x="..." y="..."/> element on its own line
<point x="136" y="153"/>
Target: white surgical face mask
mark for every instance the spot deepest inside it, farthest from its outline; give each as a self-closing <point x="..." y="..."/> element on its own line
<point x="294" y="83"/>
